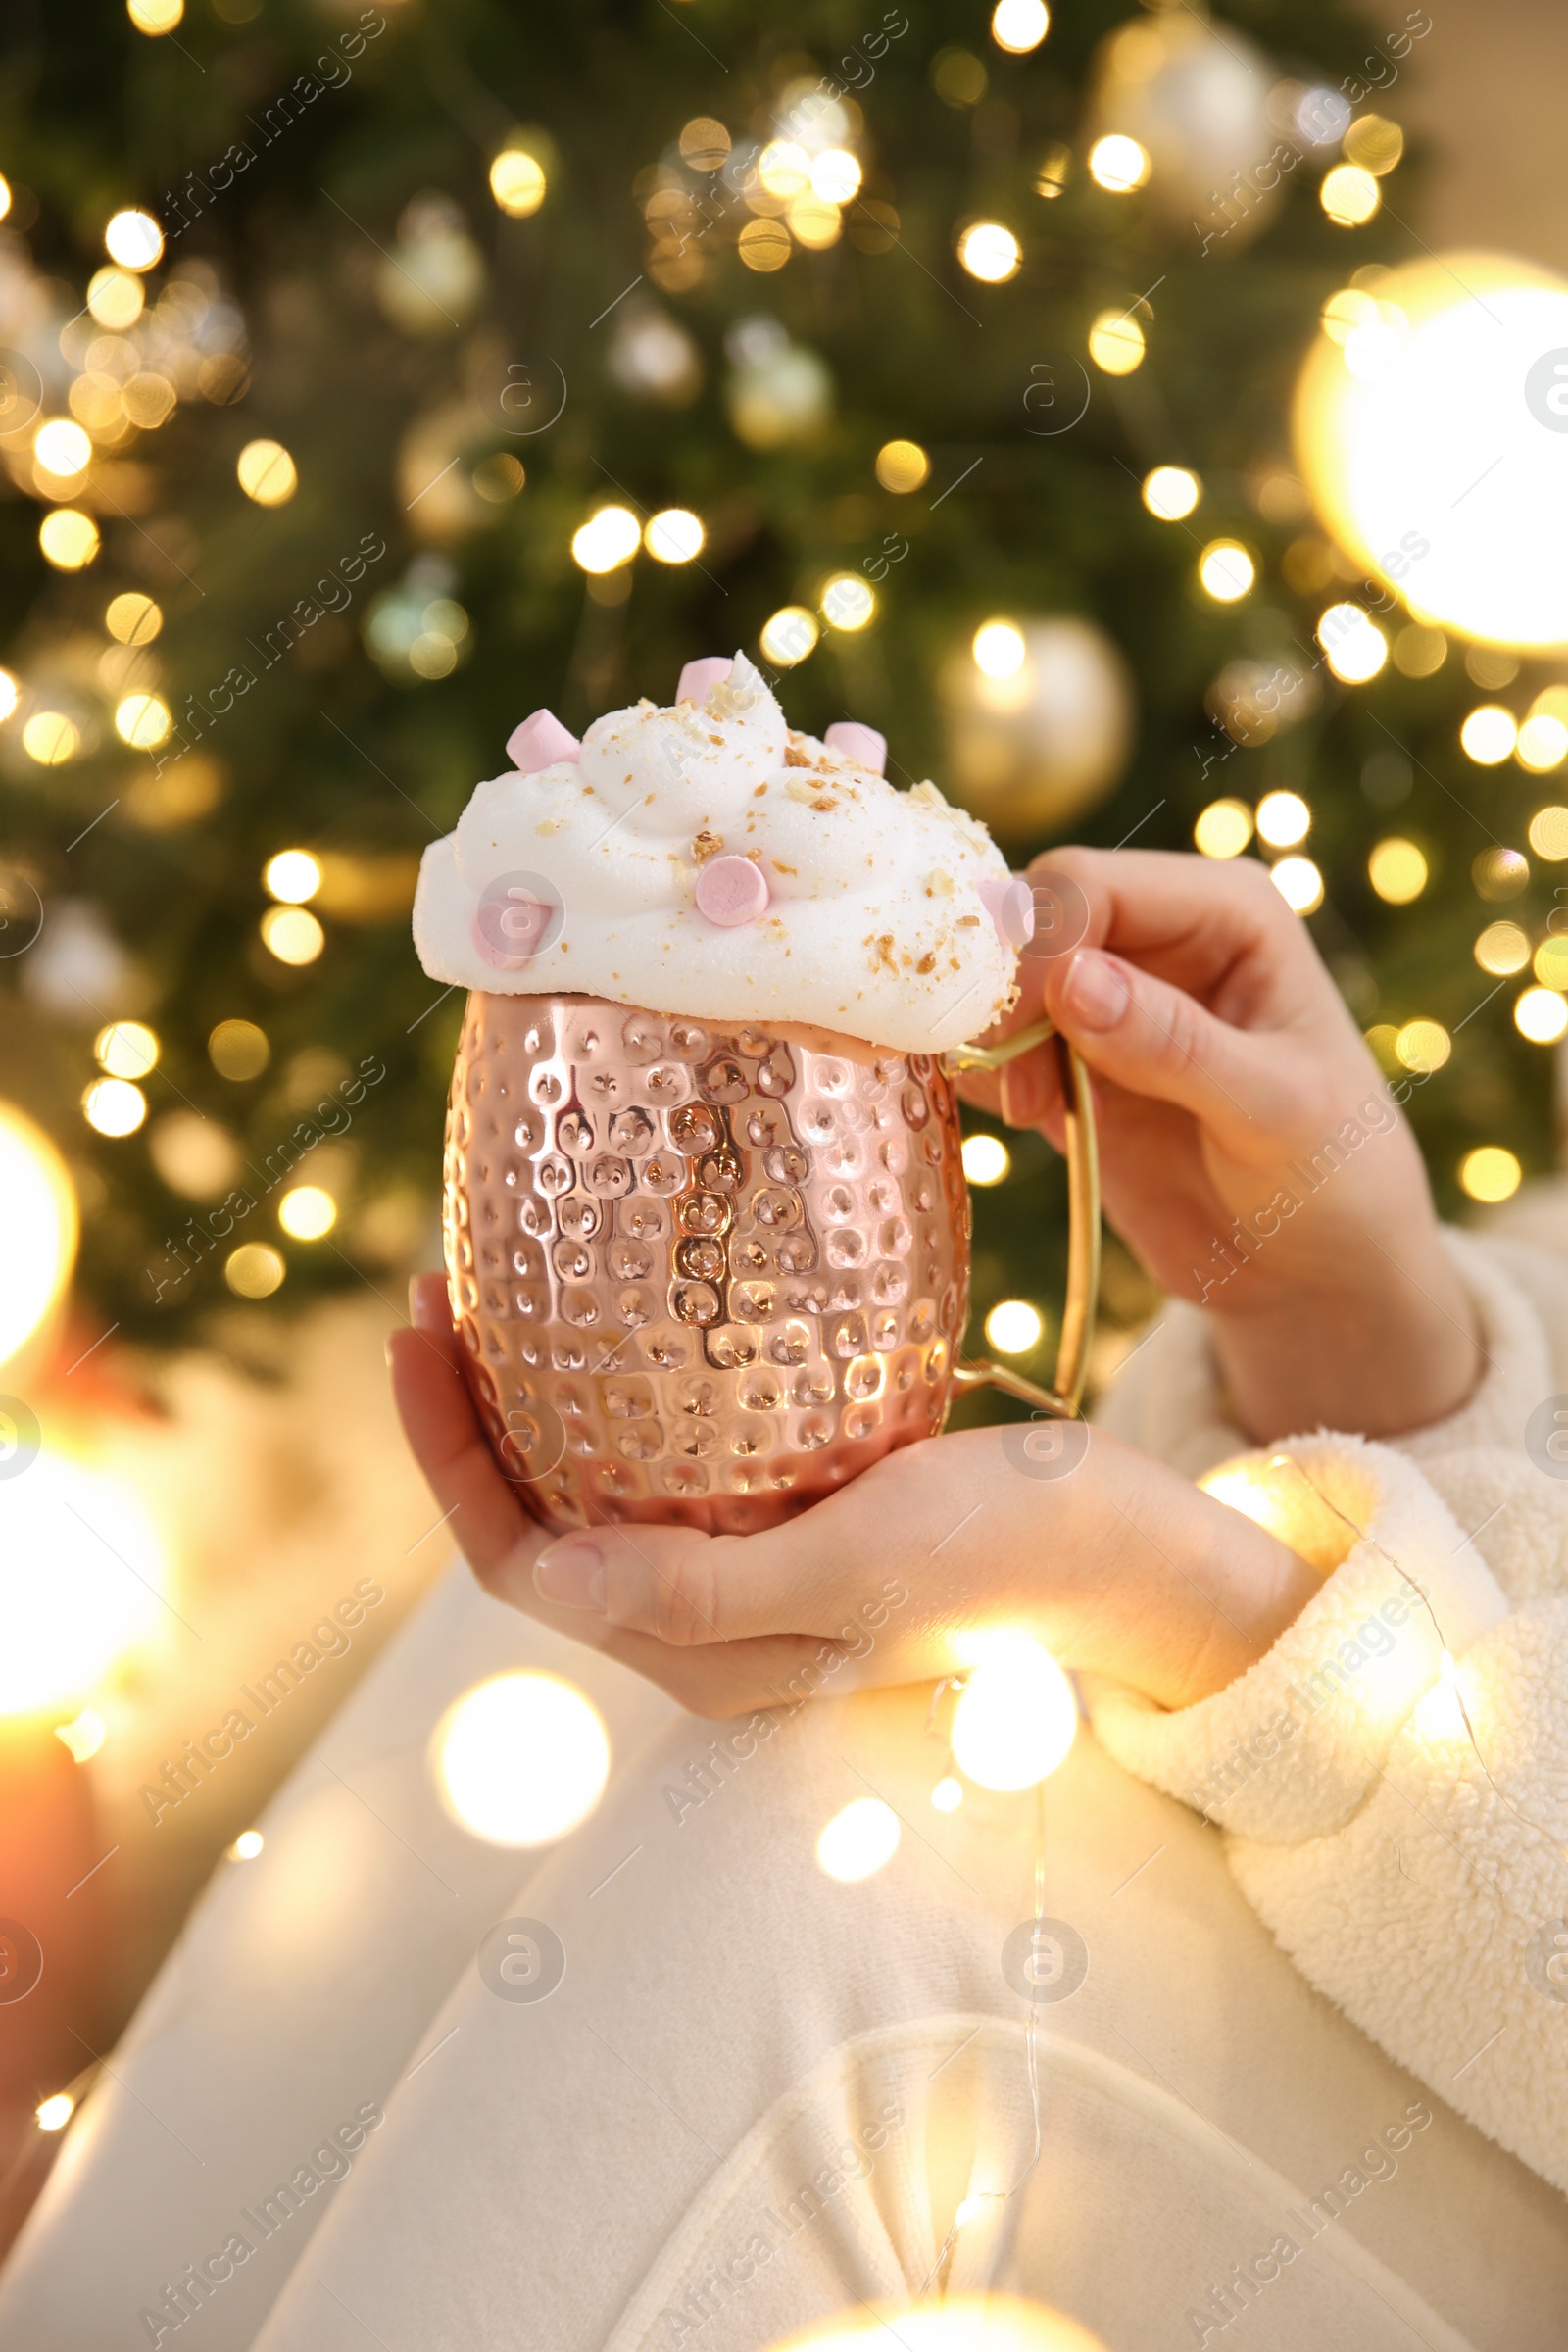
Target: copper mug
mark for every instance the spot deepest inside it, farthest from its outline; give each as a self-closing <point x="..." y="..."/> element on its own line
<point x="704" y="1273"/>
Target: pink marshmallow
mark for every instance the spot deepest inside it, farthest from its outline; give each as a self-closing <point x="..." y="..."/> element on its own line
<point x="699" y="678"/>
<point x="509" y="924"/>
<point x="1010" y="905"/>
<point x="540" y="742"/>
<point x="863" y="745"/>
<point x="732" y="891"/>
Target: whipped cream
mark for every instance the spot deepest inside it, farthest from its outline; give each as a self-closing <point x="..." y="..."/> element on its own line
<point x="708" y="859"/>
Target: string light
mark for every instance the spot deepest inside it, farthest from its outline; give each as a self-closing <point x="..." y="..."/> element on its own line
<point x="37" y="1229"/>
<point x="1299" y="883"/>
<point x="1548" y="834"/>
<point x="1502" y="948"/>
<point x="1171" y="492"/>
<point x="788" y="635"/>
<point x="132" y="619"/>
<point x="784" y="168"/>
<point x="266" y="473"/>
<point x="1397" y="871"/>
<point x="69" y="539"/>
<point x="292" y="934"/>
<point x="127" y="1050"/>
<point x="49" y="738"/>
<point x="246" y="1846"/>
<point x="144" y="720"/>
<point x="902" y="466"/>
<point x="522" y="1759"/>
<point x="113" y="1107"/>
<point x="9" y="695"/>
<point x="155" y="17"/>
<point x="1282" y="819"/>
<point x="84" y="1736"/>
<point x="1118" y="163"/>
<point x="518" y="182"/>
<point x="254" y="1270"/>
<point x="1543" y="742"/>
<point x="60" y="1632"/>
<point x="114" y="299"/>
<point x="1423" y="1047"/>
<point x="673" y="536"/>
<point x="134" y="239"/>
<point x="1019" y="26"/>
<point x="62" y="448"/>
<point x="988" y="2322"/>
<point x="858" y="1841"/>
<point x="986" y="1158"/>
<point x="847" y="601"/>
<point x="999" y="649"/>
<point x="1375" y="143"/>
<point x="1224" y="829"/>
<point x="1014" y="1326"/>
<point x="1117" y="343"/>
<point x="1489" y="735"/>
<point x="1349" y="195"/>
<point x="307" y="1212"/>
<point x="1542" y="1015"/>
<point x="990" y="252"/>
<point x="1016" y="1718"/>
<point x="1551" y="963"/>
<point x="1226" y="570"/>
<point x="948" y="1794"/>
<point x="292" y="876"/>
<point x="1490" y="1173"/>
<point x="836" y="175"/>
<point x="1353" y="645"/>
<point x="238" y="1050"/>
<point x="609" y="538"/>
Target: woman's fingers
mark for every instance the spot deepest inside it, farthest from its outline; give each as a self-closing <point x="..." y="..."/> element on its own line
<point x="447" y="1442"/>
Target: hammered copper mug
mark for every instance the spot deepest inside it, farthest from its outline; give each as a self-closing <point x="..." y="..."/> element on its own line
<point x="705" y="1273"/>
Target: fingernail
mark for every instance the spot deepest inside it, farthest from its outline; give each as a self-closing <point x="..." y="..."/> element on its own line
<point x="1096" y="993"/>
<point x="572" y="1573"/>
<point x="428" y="1307"/>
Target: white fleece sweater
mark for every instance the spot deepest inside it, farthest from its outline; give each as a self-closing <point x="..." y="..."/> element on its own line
<point x="1412" y="1864"/>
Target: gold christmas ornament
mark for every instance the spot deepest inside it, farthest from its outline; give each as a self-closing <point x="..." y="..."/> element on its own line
<point x="1035" y="741"/>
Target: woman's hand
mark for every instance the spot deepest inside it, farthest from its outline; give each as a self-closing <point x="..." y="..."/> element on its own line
<point x="1116" y="1563"/>
<point x="1252" y="1154"/>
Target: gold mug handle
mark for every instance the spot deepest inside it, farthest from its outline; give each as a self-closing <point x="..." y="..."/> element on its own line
<point x="1065" y="1399"/>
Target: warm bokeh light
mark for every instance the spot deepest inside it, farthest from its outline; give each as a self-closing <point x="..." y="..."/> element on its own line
<point x="1397" y="871"/>
<point x="1171" y="492"/>
<point x="1226" y="569"/>
<point x="836" y="175"/>
<point x="9" y="695"/>
<point x="307" y="1212"/>
<point x="988" y="2322"/>
<point x="266" y="472"/>
<point x="1423" y="1045"/>
<point x="133" y="618"/>
<point x="1118" y="163"/>
<point x="986" y="1158"/>
<point x="1353" y="645"/>
<point x="155" y="17"/>
<point x="238" y="1050"/>
<point x="1375" y="143"/>
<point x="1014" y="1326"/>
<point x="84" y="1734"/>
<point x="62" y="448"/>
<point x="989" y="252"/>
<point x="247" y="1846"/>
<point x="1117" y="343"/>
<point x="37" y="1229"/>
<point x="948" y="1794"/>
<point x="1349" y="195"/>
<point x="522" y="1759"/>
<point x="126" y="1049"/>
<point x="999" y="649"/>
<point x="518" y="182"/>
<point x="1282" y="819"/>
<point x="858" y="1841"/>
<point x="254" y="1270"/>
<point x="113" y="1107"/>
<point x="69" y="538"/>
<point x="1502" y="949"/>
<point x="62" y="1629"/>
<point x="675" y="535"/>
<point x="1543" y="742"/>
<point x="1299" y="883"/>
<point x="1542" y="1015"/>
<point x="1550" y="964"/>
<point x="847" y="601"/>
<point x="1457" y="425"/>
<point x="609" y="538"/>
<point x="133" y="239"/>
<point x="902" y="466"/>
<point x="1419" y="652"/>
<point x="1490" y="1173"/>
<point x="1489" y="735"/>
<point x="54" y="2112"/>
<point x="292" y="934"/>
<point x="784" y="168"/>
<point x="1016" y="1716"/>
<point x="1548" y="834"/>
<point x="144" y="720"/>
<point x="114" y="299"/>
<point x="292" y="876"/>
<point x="49" y="738"/>
<point x="1019" y="26"/>
<point x="1224" y="829"/>
<point x="788" y="635"/>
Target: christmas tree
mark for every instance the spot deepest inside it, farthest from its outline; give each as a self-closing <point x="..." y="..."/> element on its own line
<point x="373" y="376"/>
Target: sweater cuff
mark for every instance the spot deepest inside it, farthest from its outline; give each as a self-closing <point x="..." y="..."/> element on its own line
<point x="1290" y="1749"/>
